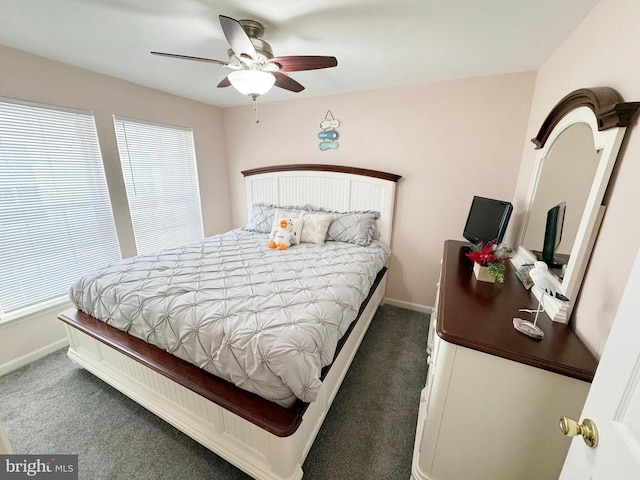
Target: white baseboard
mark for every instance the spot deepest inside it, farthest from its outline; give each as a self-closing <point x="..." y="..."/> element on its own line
<point x="32" y="356"/>
<point x="408" y="305"/>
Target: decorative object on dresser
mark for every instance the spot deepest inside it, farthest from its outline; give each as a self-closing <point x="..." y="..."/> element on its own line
<point x="482" y="273"/>
<point x="486" y="380"/>
<point x="578" y="145"/>
<point x="543" y="280"/>
<point x="264" y="439"/>
<point x="489" y="261"/>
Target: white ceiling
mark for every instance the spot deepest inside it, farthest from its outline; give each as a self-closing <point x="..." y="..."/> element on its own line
<point x="378" y="43"/>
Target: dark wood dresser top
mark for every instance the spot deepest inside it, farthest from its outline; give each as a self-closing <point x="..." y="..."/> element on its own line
<point x="479" y="315"/>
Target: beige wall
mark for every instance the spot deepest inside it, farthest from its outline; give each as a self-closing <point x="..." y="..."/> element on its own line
<point x="29" y="77"/>
<point x="449" y="141"/>
<point x="601" y="52"/>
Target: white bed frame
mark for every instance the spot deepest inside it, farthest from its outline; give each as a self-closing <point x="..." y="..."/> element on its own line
<point x="254" y="450"/>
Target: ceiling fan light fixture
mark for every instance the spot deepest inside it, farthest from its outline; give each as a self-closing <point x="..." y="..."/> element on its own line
<point x="252" y="82"/>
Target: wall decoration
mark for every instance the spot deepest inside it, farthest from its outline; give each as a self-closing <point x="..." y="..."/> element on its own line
<point x="328" y="134"/>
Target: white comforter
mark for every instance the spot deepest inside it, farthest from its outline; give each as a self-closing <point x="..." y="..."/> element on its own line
<point x="266" y="320"/>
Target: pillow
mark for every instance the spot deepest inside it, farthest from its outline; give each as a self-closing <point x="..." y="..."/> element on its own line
<point x="297" y="224"/>
<point x="315" y="227"/>
<point x="262" y="217"/>
<point x="357" y="227"/>
<point x="353" y="227"/>
<point x="295" y="218"/>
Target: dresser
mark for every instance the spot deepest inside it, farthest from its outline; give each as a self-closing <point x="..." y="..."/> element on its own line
<point x="493" y="397"/>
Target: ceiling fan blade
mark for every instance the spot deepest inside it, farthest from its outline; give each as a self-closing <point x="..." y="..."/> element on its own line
<point x="224" y="83"/>
<point x="298" y="63"/>
<point x="186" y="57"/>
<point x="236" y="36"/>
<point x="286" y="82"/>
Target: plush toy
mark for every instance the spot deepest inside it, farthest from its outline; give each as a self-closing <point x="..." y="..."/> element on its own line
<point x="282" y="237"/>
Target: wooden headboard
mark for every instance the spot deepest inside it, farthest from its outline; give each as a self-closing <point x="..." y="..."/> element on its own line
<point x="332" y="187"/>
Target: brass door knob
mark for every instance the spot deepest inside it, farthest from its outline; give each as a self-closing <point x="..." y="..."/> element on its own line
<point x="587" y="429"/>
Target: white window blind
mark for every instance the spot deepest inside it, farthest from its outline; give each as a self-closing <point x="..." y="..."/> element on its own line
<point x="159" y="168"/>
<point x="56" y="222"/>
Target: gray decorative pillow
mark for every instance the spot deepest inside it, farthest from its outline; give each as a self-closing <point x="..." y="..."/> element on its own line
<point x="263" y="214"/>
<point x="261" y="218"/>
<point x="357" y="227"/>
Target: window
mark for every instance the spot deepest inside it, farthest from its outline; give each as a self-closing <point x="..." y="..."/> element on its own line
<point x="56" y="222"/>
<point x="159" y="168"/>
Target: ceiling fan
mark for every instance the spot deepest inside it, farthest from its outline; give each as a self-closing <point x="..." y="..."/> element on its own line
<point x="256" y="70"/>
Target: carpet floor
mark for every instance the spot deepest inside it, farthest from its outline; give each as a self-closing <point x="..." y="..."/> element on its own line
<point x="52" y="406"/>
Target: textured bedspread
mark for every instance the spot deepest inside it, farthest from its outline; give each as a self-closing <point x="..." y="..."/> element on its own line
<point x="266" y="320"/>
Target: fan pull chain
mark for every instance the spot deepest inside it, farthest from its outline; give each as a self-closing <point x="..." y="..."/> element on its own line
<point x="255" y="108"/>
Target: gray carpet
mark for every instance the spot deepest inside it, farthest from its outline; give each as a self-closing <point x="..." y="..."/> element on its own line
<point x="54" y="407"/>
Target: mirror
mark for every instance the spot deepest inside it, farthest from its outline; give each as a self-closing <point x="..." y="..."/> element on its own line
<point x="574" y="157"/>
<point x="578" y="145"/>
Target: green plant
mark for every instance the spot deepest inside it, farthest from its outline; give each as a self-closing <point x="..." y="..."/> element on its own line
<point x="496" y="271"/>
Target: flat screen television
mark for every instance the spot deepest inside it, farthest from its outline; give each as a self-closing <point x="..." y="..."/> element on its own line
<point x="488" y="219"/>
<point x="553" y="234"/>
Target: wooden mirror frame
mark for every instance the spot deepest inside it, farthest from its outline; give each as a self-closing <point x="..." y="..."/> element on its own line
<point x="608" y="117"/>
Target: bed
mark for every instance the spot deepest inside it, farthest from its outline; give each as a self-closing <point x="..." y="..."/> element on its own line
<point x="265" y="439"/>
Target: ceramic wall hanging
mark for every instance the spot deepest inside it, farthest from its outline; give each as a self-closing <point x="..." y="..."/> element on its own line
<point x="328" y="134"/>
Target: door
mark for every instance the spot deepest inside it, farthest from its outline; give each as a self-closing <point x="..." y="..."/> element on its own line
<point x="614" y="400"/>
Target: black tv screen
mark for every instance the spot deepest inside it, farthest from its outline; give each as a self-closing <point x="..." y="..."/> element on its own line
<point x="488" y="219"/>
<point x="553" y="233"/>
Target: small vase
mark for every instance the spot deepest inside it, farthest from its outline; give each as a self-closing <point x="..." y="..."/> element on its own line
<point x="482" y="273"/>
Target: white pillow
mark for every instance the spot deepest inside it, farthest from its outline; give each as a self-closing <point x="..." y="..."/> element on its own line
<point x="315" y="227"/>
<point x="297" y="224"/>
